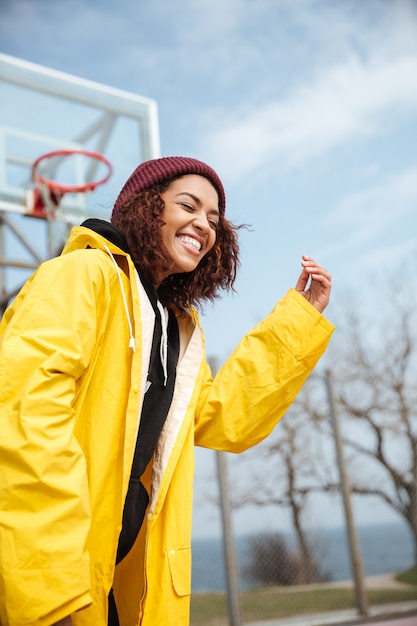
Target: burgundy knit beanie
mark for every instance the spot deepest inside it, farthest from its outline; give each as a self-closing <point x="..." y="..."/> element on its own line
<point x="155" y="171"/>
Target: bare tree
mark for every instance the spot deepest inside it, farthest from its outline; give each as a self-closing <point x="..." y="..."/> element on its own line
<point x="271" y="562"/>
<point x="375" y="373"/>
<point x="374" y="364"/>
<point x="291" y="475"/>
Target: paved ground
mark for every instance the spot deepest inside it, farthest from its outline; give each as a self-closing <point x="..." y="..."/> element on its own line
<point x="403" y="620"/>
<point x="409" y="619"/>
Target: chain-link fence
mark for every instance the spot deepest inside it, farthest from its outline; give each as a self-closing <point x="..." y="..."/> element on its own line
<point x="276" y="583"/>
<point x="307" y="463"/>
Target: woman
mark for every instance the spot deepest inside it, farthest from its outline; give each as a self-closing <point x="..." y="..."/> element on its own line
<point x="106" y="390"/>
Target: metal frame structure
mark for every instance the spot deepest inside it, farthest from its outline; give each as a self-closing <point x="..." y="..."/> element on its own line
<point x="110" y="104"/>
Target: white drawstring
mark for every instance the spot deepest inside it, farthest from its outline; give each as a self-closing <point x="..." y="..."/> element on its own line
<point x="131" y="337"/>
<point x="163" y="350"/>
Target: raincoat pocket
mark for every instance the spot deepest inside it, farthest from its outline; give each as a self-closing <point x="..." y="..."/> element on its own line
<point x="180" y="568"/>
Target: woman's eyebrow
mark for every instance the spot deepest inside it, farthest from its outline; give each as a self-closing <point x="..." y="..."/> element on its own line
<point x="196" y="200"/>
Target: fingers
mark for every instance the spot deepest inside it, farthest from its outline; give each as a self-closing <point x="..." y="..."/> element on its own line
<point x="302" y="280"/>
<point x="314" y="283"/>
<point x="314" y="270"/>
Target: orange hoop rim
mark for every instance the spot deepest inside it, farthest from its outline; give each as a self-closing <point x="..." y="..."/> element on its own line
<point x="60" y="187"/>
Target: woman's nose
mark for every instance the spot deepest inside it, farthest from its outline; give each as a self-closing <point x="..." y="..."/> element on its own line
<point x="201" y="221"/>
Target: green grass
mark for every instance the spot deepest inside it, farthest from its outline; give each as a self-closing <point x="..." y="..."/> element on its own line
<point x="210" y="609"/>
<point x="409" y="576"/>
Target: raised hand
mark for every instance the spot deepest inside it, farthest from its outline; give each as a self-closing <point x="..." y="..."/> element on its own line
<point x="314" y="283"/>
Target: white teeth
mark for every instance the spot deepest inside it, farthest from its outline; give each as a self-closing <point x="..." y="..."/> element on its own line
<point x="190" y="241"/>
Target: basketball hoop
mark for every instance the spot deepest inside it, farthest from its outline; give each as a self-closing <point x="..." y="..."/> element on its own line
<point x="47" y="194"/>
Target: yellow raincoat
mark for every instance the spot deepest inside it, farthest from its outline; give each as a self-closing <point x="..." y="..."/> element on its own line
<point x="74" y="350"/>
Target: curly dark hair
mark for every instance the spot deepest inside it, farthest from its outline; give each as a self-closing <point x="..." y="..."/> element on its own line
<point x="140" y="220"/>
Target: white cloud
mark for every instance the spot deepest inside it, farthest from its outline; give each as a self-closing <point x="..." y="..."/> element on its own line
<point x="364" y="215"/>
<point x="389" y="256"/>
<point x="379" y="205"/>
<point x="349" y="101"/>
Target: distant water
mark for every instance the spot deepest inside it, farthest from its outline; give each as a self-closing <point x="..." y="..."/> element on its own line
<point x="384" y="549"/>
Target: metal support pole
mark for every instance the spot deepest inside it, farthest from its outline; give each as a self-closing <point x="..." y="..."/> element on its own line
<point x="232" y="577"/>
<point x="355" y="555"/>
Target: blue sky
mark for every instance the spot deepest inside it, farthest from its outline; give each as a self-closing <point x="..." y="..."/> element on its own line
<point x="306" y="108"/>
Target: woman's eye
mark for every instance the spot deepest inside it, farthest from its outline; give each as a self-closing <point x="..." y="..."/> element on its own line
<point x="213" y="224"/>
<point x="188" y="207"/>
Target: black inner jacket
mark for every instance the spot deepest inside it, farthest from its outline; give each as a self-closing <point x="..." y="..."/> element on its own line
<point x="156" y="403"/>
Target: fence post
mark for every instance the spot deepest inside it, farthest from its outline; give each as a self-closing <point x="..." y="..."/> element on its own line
<point x="355" y="556"/>
<point x="232" y="579"/>
<point x="232" y="576"/>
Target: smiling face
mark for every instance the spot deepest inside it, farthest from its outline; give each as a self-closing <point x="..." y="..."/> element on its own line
<point x="191" y="215"/>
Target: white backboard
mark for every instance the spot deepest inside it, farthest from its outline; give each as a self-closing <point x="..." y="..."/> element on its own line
<point x="43" y="110"/>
